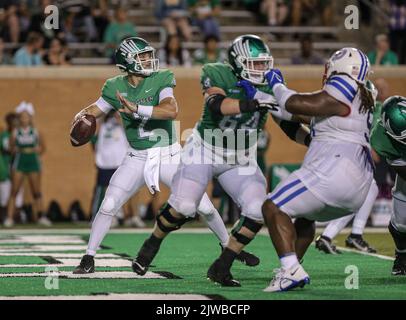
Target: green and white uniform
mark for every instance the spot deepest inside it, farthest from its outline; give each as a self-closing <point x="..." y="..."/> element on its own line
<point x="26" y="160"/>
<point x="5" y="183"/>
<point x="224" y="147"/>
<point x="5" y="157"/>
<point x="141" y="133"/>
<point x="395" y="154"/>
<point x="154" y="153"/>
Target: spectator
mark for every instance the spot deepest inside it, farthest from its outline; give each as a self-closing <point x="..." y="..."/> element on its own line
<point x="397" y="28"/>
<point x="205" y="13"/>
<point x="118" y="30"/>
<point x="79" y="14"/>
<point x="101" y="17"/>
<point x="173" y="55"/>
<point x="303" y="9"/>
<point x="4" y="56"/>
<point x="31" y="53"/>
<point x="382" y="55"/>
<point x="276" y="11"/>
<point x="13" y="24"/>
<point x="27" y="144"/>
<point x="307" y="55"/>
<point x="173" y="14"/>
<point x="57" y="54"/>
<point x="211" y="52"/>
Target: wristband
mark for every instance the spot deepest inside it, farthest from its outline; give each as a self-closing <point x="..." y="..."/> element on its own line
<point x="145" y="111"/>
<point x="248" y="106"/>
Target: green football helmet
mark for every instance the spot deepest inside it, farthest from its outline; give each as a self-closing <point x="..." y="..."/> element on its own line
<point x="394" y="118"/>
<point x="136" y="56"/>
<point x="250" y="58"/>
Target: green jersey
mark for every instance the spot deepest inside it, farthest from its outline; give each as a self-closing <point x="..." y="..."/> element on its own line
<point x="220" y="130"/>
<point x="143" y="133"/>
<point x="382" y="143"/>
<point x="27" y="138"/>
<point x="4" y="146"/>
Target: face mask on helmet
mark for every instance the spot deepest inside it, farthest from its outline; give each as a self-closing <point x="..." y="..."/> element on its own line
<point x="254" y="69"/>
<point x="145" y="62"/>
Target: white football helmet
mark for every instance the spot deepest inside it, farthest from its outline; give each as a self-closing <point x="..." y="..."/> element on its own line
<point x="351" y="61"/>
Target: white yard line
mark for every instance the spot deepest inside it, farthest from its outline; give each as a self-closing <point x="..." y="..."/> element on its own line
<point x="96" y="275"/>
<point x="115" y="296"/>
<point x="380" y="256"/>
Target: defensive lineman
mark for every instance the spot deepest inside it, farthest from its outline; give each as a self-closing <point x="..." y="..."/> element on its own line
<point x="337" y="171"/>
<point x="144" y="97"/>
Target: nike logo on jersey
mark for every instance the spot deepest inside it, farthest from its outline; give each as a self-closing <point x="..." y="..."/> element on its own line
<point x="146" y="91"/>
<point x="131" y="155"/>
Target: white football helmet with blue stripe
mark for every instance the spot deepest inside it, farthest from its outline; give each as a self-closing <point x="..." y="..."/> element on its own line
<point x="350" y="61"/>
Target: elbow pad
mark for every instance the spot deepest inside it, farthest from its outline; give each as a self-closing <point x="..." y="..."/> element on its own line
<point x="296" y="132"/>
<point x="214" y="102"/>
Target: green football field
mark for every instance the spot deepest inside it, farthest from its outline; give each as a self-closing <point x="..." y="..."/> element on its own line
<point x="37" y="264"/>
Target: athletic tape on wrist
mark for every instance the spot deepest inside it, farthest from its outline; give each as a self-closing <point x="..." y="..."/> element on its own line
<point x="282" y="94"/>
<point x="145" y="111"/>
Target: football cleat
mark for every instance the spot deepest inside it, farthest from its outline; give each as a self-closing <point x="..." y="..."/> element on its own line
<point x="138" y="267"/>
<point x="399" y="266"/>
<point x="324" y="244"/>
<point x="358" y="243"/>
<point x="246" y="258"/>
<point x="288" y="279"/>
<point x="86" y="265"/>
<point x="221" y="275"/>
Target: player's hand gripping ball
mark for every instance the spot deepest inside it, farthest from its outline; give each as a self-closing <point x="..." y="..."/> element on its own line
<point x="83" y="129"/>
<point x="274" y="77"/>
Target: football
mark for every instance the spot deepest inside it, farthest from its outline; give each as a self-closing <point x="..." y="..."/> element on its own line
<point x="82" y="130"/>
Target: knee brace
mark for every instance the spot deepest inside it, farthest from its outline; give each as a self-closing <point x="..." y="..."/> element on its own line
<point x="172" y="223"/>
<point x="248" y="223"/>
<point x="398" y="237"/>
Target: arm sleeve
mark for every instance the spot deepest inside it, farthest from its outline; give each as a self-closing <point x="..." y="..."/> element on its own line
<point x="166" y="93"/>
<point x="342" y="88"/>
<point x="103" y="105"/>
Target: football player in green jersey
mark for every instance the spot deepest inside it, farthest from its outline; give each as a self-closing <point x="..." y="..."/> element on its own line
<point x="145" y="99"/>
<point x="388" y="138"/>
<point x="236" y="105"/>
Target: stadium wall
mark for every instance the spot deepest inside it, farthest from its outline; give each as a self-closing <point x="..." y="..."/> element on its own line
<point x="58" y="93"/>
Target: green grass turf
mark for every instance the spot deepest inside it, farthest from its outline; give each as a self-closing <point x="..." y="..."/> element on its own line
<point x="189" y="256"/>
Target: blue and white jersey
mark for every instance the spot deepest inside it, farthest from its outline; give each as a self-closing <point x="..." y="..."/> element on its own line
<point x="353" y="127"/>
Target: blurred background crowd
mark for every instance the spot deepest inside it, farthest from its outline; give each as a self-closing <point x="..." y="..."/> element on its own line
<point x="189" y="32"/>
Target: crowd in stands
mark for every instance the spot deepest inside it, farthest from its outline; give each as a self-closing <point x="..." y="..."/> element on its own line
<point x="24" y="41"/>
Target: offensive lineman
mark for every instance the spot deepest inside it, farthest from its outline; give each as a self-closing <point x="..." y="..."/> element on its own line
<point x="224" y="133"/>
<point x="388" y="138"/>
<point x="337" y="171"/>
<point x="144" y="97"/>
